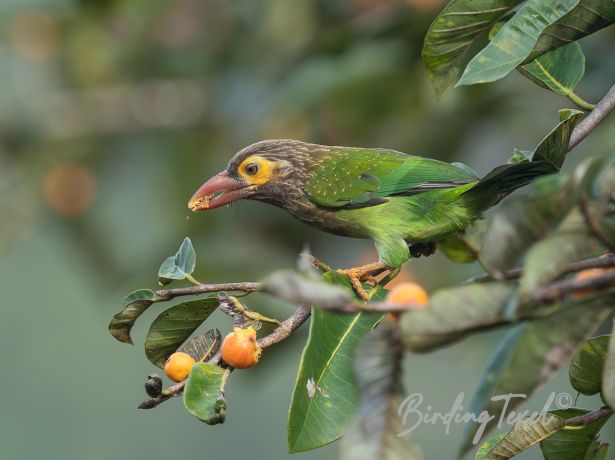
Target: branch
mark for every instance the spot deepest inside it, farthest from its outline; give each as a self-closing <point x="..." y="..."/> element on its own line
<point x="167" y="294"/>
<point x="289" y="325"/>
<point x="588" y="419"/>
<point x="514" y="273"/>
<point x="376" y="307"/>
<point x="593" y="119"/>
<point x="559" y="289"/>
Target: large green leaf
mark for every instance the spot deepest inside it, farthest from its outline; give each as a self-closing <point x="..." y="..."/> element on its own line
<point x="549" y="258"/>
<point x="571" y="444"/>
<point x="523" y="435"/>
<point x="179" y="266"/>
<point x="453" y="312"/>
<point x="529" y="358"/>
<point x="515" y="41"/>
<point x="608" y="375"/>
<point x="204" y="393"/>
<point x="174" y="325"/>
<point x="452" y="34"/>
<point x="559" y="70"/>
<point x="133" y="305"/>
<point x="587" y="365"/>
<point x="586" y="18"/>
<point x="375" y="432"/>
<point x="326" y="395"/>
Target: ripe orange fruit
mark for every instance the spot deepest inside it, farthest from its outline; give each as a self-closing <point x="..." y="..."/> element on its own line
<point x="239" y="348"/>
<point x="408" y="293"/>
<point x="178" y="366"/>
<point x="585" y="274"/>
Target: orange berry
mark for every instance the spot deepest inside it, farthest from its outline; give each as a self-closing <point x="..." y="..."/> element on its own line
<point x="239" y="348"/>
<point x="178" y="366"/>
<point x="585" y="274"/>
<point x="408" y="293"/>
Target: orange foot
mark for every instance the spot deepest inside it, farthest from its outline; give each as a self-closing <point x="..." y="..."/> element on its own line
<point x="364" y="273"/>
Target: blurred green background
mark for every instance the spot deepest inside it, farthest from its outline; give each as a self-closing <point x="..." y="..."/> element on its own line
<point x="113" y="112"/>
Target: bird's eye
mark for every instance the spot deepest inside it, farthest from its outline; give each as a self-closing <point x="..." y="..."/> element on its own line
<point x="251" y="169"/>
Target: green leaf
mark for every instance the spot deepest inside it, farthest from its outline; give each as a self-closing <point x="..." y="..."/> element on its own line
<point x="452" y="34"/>
<point x="179" y="266"/>
<point x="523" y="435"/>
<point x="464" y="248"/>
<point x="597" y="452"/>
<point x="515" y="41"/>
<point x="530" y="357"/>
<point x="548" y="259"/>
<point x="587" y="17"/>
<point x="485" y="448"/>
<point x="133" y="305"/>
<point x="204" y="393"/>
<point x="300" y="289"/>
<point x="560" y="70"/>
<point x="571" y="444"/>
<point x="375" y="432"/>
<point x="587" y="365"/>
<point x="326" y="395"/>
<point x="203" y="347"/>
<point x="173" y="326"/>
<point x="608" y="375"/>
<point x="453" y="312"/>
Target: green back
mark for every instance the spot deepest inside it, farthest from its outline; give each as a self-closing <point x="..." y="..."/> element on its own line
<point x="348" y="177"/>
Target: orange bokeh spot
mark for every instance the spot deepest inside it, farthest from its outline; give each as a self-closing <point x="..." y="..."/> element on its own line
<point x="34" y="35"/>
<point x="69" y="189"/>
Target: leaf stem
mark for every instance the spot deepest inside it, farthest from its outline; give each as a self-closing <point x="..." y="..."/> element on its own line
<point x="193" y="280"/>
<point x="580" y="102"/>
<point x="589" y="418"/>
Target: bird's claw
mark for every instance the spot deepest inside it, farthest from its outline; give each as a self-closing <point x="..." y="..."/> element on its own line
<point x="366" y="273"/>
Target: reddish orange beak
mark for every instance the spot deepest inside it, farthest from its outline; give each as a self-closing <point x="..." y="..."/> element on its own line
<point x="219" y="190"/>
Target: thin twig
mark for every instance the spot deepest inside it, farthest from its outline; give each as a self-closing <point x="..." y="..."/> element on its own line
<point x="167" y="294"/>
<point x="375" y="307"/>
<point x="588" y="419"/>
<point x="289" y="325"/>
<point x="593" y="119"/>
<point x="560" y="289"/>
<point x="514" y="273"/>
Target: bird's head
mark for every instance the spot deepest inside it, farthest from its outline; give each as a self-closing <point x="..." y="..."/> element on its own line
<point x="270" y="171"/>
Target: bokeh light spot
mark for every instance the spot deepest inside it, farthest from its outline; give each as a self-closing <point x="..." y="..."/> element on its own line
<point x="69" y="189"/>
<point x="34" y="35"/>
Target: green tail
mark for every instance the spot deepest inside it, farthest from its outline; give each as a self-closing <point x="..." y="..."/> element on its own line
<point x="525" y="167"/>
<point x="504" y="180"/>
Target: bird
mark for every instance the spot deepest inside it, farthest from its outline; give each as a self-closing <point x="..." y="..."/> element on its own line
<point x="404" y="203"/>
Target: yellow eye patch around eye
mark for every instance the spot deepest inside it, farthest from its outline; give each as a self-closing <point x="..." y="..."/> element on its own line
<point x="264" y="173"/>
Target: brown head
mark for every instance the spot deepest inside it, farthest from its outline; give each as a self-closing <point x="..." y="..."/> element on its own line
<point x="272" y="171"/>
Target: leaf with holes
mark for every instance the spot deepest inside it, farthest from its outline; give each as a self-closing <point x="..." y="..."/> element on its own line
<point x="133" y="305"/>
<point x="515" y="41"/>
<point x="326" y="395"/>
<point x="204" y="393"/>
<point x="587" y="366"/>
<point x="174" y="325"/>
<point x="179" y="266"/>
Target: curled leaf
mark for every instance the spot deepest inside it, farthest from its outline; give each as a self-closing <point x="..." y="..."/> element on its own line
<point x="133" y="305"/>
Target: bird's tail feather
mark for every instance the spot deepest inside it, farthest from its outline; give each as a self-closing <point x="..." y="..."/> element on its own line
<point x="525" y="167"/>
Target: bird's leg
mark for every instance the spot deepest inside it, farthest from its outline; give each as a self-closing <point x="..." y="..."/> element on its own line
<point x="422" y="249"/>
<point x="364" y="273"/>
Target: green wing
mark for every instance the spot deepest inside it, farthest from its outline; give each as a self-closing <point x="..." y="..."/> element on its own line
<point x="354" y="178"/>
